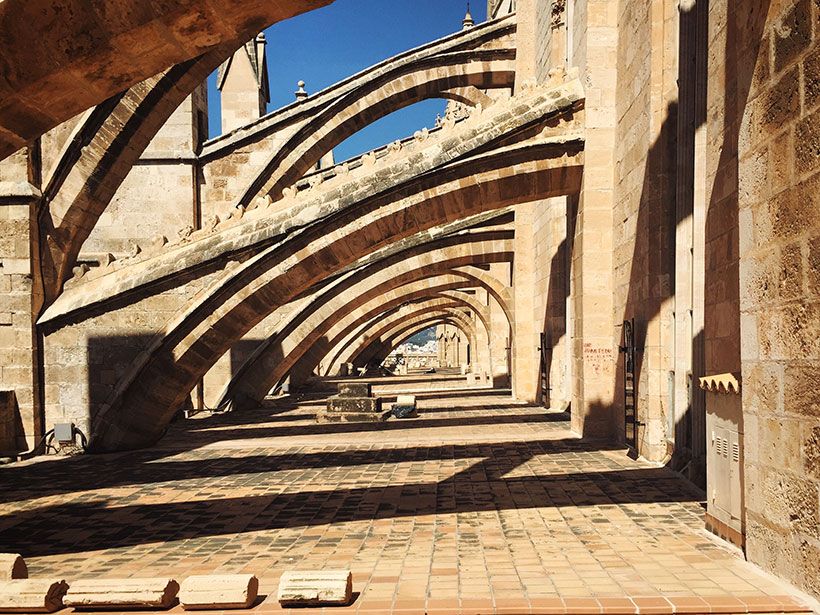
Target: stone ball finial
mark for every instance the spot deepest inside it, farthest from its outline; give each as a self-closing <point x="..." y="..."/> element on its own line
<point x="301" y="93"/>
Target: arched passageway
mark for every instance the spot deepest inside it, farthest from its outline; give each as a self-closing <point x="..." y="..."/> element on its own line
<point x="278" y="274"/>
<point x="315" y="329"/>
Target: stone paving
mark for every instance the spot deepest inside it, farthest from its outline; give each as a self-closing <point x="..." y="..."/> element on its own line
<point x="480" y="505"/>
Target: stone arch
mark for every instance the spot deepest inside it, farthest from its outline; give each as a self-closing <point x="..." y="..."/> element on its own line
<point x="368" y="346"/>
<point x="399" y="338"/>
<point x="448" y="75"/>
<point x="339" y="353"/>
<point x="147" y="396"/>
<point x="311" y="344"/>
<point x="337" y="348"/>
<point x="262" y="370"/>
<point x="110" y="139"/>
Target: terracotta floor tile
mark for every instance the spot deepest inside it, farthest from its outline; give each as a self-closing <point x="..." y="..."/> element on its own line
<point x="480" y="502"/>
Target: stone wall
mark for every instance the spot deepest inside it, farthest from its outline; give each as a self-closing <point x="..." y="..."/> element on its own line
<point x="18" y="340"/>
<point x="592" y="46"/>
<point x="773" y="147"/>
<point x="534" y="41"/>
<point x="550" y="256"/>
<point x="161" y="193"/>
<point x="87" y="358"/>
<point x="644" y="209"/>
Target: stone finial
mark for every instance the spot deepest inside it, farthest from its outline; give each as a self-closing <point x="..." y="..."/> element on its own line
<point x="468" y="21"/>
<point x="369" y="159"/>
<point x="421" y="135"/>
<point x="79" y="271"/>
<point x="185" y="233"/>
<point x="212" y="222"/>
<point x="438" y="120"/>
<point x="158" y="242"/>
<point x="301" y="93"/>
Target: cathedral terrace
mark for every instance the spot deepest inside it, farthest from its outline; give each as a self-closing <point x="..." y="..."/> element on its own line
<point x="549" y="346"/>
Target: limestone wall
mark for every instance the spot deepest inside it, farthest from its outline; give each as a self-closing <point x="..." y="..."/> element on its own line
<point x="85" y="360"/>
<point x="592" y="43"/>
<point x="773" y="146"/>
<point x="644" y="208"/>
<point x="550" y="256"/>
<point x="160" y="195"/>
<point x="18" y="342"/>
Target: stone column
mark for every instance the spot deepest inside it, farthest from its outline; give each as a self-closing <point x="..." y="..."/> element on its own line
<point x="500" y="334"/>
<point x="594" y="352"/>
<point x="525" y="354"/>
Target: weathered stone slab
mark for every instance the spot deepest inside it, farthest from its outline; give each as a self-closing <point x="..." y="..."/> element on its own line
<point x="356" y="405"/>
<point x="323" y="416"/>
<point x="355" y="389"/>
<point x="351" y="410"/>
<point x="32" y="595"/>
<point x="122" y="593"/>
<point x="12" y="566"/>
<point x="329" y="587"/>
<point x="218" y="591"/>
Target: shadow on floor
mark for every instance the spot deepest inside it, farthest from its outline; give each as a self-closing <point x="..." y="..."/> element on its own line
<point x="91" y="526"/>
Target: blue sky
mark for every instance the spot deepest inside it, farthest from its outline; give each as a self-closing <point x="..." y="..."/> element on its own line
<point x="326" y="45"/>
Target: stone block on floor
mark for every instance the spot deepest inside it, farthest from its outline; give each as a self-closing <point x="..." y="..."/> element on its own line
<point x="12" y="566"/>
<point x="32" y="595"/>
<point x="218" y="592"/>
<point x="122" y="593"/>
<point x="342" y="409"/>
<point x="355" y="389"/>
<point x="319" y="588"/>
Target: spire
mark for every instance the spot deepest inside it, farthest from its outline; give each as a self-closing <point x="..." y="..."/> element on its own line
<point x="468" y="19"/>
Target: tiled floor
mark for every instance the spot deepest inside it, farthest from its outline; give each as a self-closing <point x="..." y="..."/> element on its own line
<point x="480" y="505"/>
